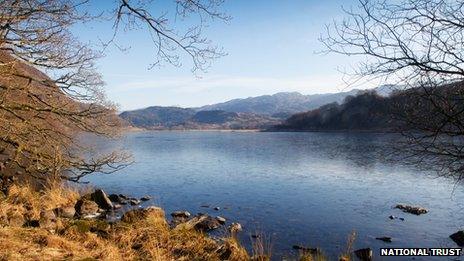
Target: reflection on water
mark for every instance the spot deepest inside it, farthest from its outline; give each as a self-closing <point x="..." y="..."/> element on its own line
<point x="299" y="188"/>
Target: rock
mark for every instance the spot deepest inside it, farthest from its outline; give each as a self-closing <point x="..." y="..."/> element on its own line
<point x="402" y="219"/>
<point x="458" y="238"/>
<point x="86" y="207"/>
<point x="217" y="208"/>
<point x="123" y="196"/>
<point x="221" y="220"/>
<point x="32" y="223"/>
<point x="115" y="198"/>
<point x="235" y="228"/>
<point x="134" y="202"/>
<point x="203" y="223"/>
<point x="365" y="254"/>
<point x="145" y="198"/>
<point x="392" y="217"/>
<point x="312" y="251"/>
<point x="384" y="239"/>
<point x="117" y="206"/>
<point x="16" y="220"/>
<point x="180" y="214"/>
<point x="99" y="196"/>
<point x="411" y="209"/>
<point x="141" y="214"/>
<point x="255" y="236"/>
<point x="65" y="212"/>
<point x="47" y="219"/>
<point x="204" y="206"/>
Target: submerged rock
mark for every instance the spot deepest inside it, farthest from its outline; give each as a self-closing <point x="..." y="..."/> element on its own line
<point x="134" y="202"/>
<point x="217" y="208"/>
<point x="145" y="198"/>
<point x="309" y="250"/>
<point x="458" y="238"/>
<point x="412" y="209"/>
<point x="99" y="196"/>
<point x="384" y="239"/>
<point x="365" y="254"/>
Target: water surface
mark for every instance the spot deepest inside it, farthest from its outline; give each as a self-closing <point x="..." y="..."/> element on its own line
<point x="312" y="189"/>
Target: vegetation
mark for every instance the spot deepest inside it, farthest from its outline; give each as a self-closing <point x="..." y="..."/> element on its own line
<point x="418" y="44"/>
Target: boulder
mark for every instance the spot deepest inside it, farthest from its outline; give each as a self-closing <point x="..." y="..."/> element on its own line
<point x="411" y="209"/>
<point x="99" y="196"/>
<point x="217" y="208"/>
<point x="458" y="238"/>
<point x="115" y="198"/>
<point x="235" y="228"/>
<point x="16" y="220"/>
<point x="134" y="202"/>
<point x="135" y="215"/>
<point x="180" y="214"/>
<point x="145" y="198"/>
<point x="47" y="219"/>
<point x="365" y="254"/>
<point x="203" y="223"/>
<point x="65" y="212"/>
<point x="384" y="239"/>
<point x="86" y="207"/>
<point x="221" y="220"/>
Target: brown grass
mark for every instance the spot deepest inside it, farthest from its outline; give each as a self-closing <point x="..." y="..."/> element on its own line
<point x="146" y="238"/>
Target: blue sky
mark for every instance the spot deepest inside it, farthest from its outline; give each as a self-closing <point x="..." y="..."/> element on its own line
<point x="272" y="46"/>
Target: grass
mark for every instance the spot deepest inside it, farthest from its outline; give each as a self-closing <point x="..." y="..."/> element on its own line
<point x="147" y="238"/>
<point x="145" y="235"/>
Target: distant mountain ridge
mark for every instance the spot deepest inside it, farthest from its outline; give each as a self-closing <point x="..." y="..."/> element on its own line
<point x="249" y="113"/>
<point x="282" y="103"/>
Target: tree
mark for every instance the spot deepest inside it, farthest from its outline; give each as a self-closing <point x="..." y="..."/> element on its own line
<point x="51" y="92"/>
<point x="418" y="44"/>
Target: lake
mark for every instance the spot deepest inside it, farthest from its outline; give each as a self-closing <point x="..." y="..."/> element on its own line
<point x="310" y="189"/>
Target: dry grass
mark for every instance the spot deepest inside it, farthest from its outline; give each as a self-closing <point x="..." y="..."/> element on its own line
<point x="144" y="237"/>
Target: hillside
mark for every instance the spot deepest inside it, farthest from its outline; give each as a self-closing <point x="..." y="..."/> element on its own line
<point x="410" y="109"/>
<point x="180" y="118"/>
<point x="280" y="104"/>
<point x="367" y="111"/>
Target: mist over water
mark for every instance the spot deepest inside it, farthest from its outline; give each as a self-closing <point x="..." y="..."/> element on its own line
<point x="310" y="189"/>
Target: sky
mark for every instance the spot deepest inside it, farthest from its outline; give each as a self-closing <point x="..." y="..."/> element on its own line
<point x="271" y="46"/>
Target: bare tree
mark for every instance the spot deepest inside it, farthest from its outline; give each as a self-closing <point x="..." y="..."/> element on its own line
<point x="51" y="92"/>
<point x="418" y="44"/>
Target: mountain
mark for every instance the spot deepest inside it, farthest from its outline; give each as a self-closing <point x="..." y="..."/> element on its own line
<point x="366" y="111"/>
<point x="158" y="116"/>
<point x="279" y="105"/>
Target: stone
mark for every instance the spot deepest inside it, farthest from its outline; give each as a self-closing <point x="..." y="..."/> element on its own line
<point x="135" y="215"/>
<point x="221" y="220"/>
<point x="392" y="217"/>
<point x="384" y="239"/>
<point x="117" y="206"/>
<point x="145" y="198"/>
<point x="364" y="254"/>
<point x="217" y="208"/>
<point x="115" y="198"/>
<point x="202" y="223"/>
<point x="65" y="212"/>
<point x="102" y="200"/>
<point x="86" y="207"/>
<point x="308" y="250"/>
<point x="235" y="227"/>
<point x="411" y="209"/>
<point x="16" y="220"/>
<point x="180" y="214"/>
<point x="134" y="202"/>
<point x="47" y="219"/>
<point x="458" y="238"/>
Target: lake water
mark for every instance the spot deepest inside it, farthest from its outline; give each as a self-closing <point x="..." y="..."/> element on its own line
<point x="311" y="189"/>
